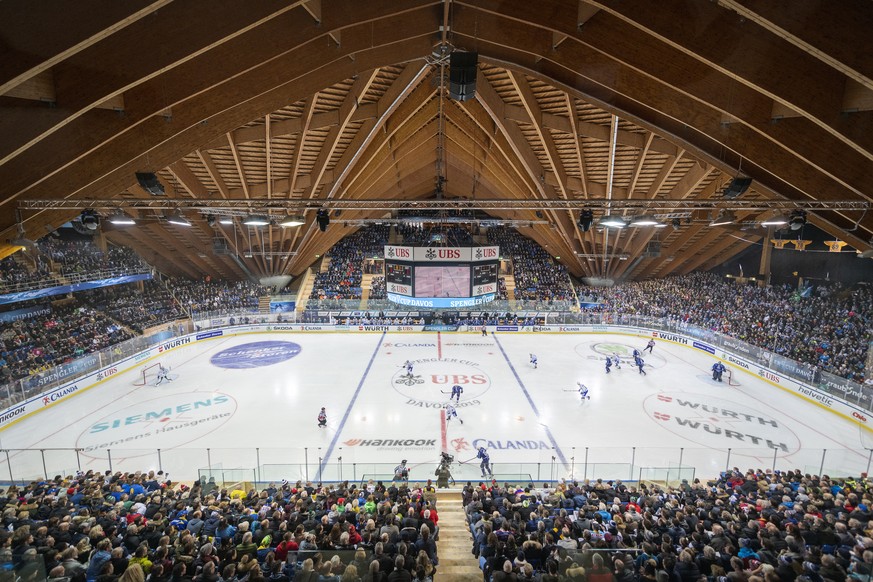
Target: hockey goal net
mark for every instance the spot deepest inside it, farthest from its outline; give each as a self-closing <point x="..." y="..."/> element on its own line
<point x="148" y="374"/>
<point x="731" y="378"/>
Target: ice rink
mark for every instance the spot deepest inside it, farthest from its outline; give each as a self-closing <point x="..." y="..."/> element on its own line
<point x="245" y="408"/>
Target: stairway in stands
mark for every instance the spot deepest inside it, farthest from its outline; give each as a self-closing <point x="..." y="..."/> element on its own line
<point x="510" y="287"/>
<point x="366" y="285"/>
<point x="305" y="289"/>
<point x="454" y="548"/>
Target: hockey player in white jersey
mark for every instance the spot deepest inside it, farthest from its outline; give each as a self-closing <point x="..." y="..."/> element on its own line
<point x="583" y="392"/>
<point x="163" y="375"/>
<point x="451" y="413"/>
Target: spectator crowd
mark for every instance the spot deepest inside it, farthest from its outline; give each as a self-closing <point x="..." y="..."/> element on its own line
<point x="342" y="279"/>
<point x="70" y="330"/>
<point x="96" y="527"/>
<point x="80" y="257"/>
<point x="538" y="277"/>
<point x="743" y="527"/>
<point x="831" y="328"/>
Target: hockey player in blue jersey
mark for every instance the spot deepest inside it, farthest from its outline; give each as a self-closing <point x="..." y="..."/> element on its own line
<point x="408" y="366"/>
<point x="533" y="361"/>
<point x="637" y="353"/>
<point x="608" y="364"/>
<point x="457" y="390"/>
<point x="485" y="463"/>
<point x="583" y="392"/>
<point x="452" y="413"/>
<point x="717" y="370"/>
<point x="640" y="363"/>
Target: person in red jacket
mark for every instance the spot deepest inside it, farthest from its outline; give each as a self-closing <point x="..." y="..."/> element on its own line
<point x="286" y="545"/>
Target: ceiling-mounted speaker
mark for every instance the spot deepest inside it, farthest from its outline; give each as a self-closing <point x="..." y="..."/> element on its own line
<point x="150" y="183"/>
<point x="219" y="245"/>
<point x="737" y="187"/>
<point x="652" y="250"/>
<point x="463" y="67"/>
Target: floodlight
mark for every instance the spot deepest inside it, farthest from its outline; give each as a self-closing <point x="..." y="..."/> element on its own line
<point x="178" y="219"/>
<point x="613" y="221"/>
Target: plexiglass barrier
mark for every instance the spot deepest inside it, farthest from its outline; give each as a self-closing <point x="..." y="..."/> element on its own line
<point x="261" y="465"/>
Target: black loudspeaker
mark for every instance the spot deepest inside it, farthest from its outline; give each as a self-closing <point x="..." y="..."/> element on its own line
<point x="150" y="183"/>
<point x="652" y="250"/>
<point x="219" y="246"/>
<point x="462" y="75"/>
<point x="737" y="187"/>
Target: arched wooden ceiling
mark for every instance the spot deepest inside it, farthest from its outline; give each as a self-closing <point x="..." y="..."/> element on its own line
<point x="341" y="99"/>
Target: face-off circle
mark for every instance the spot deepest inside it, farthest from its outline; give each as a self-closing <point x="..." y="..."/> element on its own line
<point x="597" y="351"/>
<point x="166" y="422"/>
<point x="432" y="380"/>
<point x="719" y="423"/>
<point x="255" y="355"/>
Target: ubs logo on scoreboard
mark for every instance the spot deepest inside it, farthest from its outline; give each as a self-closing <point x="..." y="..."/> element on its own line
<point x="442" y="254"/>
<point x="487" y="253"/>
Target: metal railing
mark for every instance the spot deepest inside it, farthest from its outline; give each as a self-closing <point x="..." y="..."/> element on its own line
<point x="262" y="465"/>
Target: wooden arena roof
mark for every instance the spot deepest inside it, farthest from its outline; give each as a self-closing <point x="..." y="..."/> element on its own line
<point x="322" y="102"/>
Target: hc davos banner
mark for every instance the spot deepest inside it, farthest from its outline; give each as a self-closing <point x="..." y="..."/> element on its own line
<point x="64" y="289"/>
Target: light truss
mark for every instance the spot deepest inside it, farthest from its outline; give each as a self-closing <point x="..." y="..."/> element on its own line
<point x="264" y="205"/>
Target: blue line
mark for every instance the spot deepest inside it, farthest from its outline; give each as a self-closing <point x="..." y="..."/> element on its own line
<point x="532" y="405"/>
<point x="349" y="409"/>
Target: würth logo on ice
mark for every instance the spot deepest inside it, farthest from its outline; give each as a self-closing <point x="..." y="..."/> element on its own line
<point x="716" y="422"/>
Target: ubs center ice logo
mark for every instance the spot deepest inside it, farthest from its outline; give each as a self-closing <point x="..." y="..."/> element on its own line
<point x="255" y="355"/>
<point x="431" y="383"/>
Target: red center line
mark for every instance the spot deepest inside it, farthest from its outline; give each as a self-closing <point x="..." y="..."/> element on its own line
<point x="443" y="428"/>
<point x="439" y="346"/>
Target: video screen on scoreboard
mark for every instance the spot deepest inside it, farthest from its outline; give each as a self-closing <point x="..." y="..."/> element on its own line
<point x="445" y="281"/>
<point x="483" y="274"/>
<point x="399" y="274"/>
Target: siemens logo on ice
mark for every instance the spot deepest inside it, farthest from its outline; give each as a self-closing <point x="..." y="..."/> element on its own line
<point x="158" y="415"/>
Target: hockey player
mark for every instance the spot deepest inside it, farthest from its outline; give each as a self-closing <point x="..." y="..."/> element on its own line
<point x="636" y="353"/>
<point x="583" y="392"/>
<point x="457" y="390"/>
<point x="408" y="365"/>
<point x="533" y="361"/>
<point x="650" y="346"/>
<point x="717" y="370"/>
<point x="162" y="375"/>
<point x="322" y="418"/>
<point x="401" y="471"/>
<point x="640" y="363"/>
<point x="452" y="413"/>
<point x="608" y="364"/>
<point x="485" y="463"/>
<point x="484" y="331"/>
<point x="617" y="361"/>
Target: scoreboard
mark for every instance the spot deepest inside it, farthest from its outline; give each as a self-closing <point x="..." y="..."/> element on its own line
<point x="441" y="276"/>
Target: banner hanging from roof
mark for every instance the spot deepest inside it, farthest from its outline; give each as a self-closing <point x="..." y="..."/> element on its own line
<point x="64" y="289"/>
